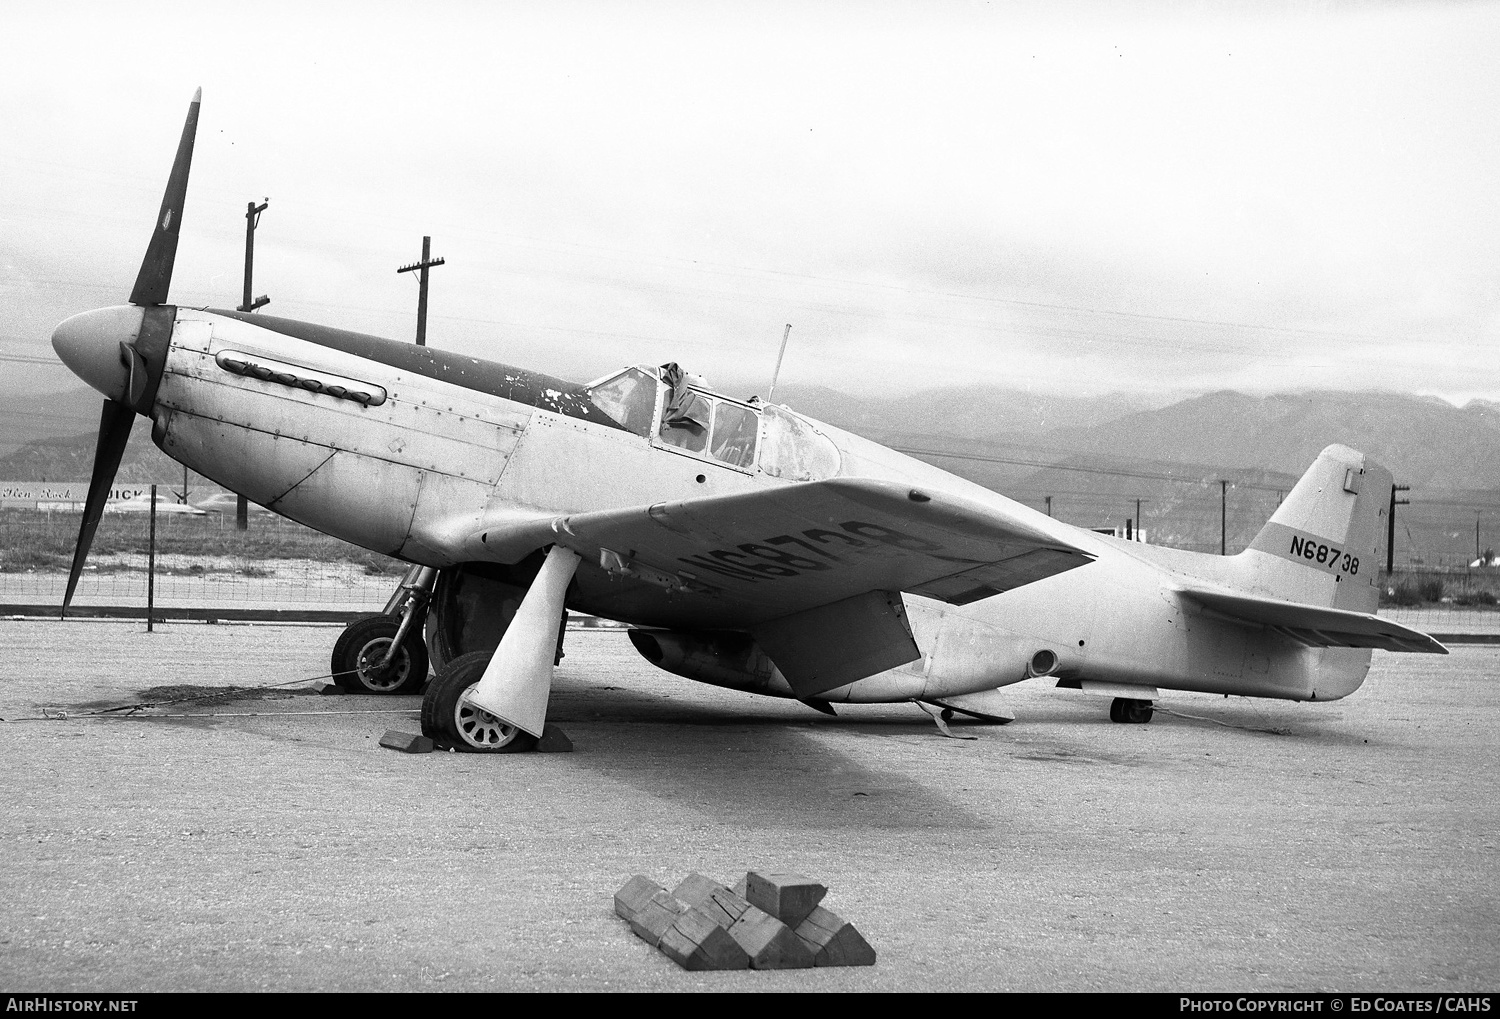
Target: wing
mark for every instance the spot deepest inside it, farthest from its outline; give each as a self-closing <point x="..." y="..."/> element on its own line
<point x="1311" y="624"/>
<point x="773" y="552"/>
<point x="815" y="571"/>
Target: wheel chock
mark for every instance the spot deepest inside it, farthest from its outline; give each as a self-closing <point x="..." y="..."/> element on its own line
<point x="696" y="890"/>
<point x="702" y="925"/>
<point x="787" y="897"/>
<point x="696" y="942"/>
<point x="713" y="898"/>
<point x="768" y="942"/>
<point x="332" y="690"/>
<point x="406" y="742"/>
<point x="634" y="896"/>
<point x="553" y="741"/>
<point x="833" y="941"/>
<point x="652" y="921"/>
<point x="648" y="907"/>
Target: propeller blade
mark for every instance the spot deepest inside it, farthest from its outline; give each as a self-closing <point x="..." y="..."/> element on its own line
<point x="156" y="268"/>
<point x="114" y="431"/>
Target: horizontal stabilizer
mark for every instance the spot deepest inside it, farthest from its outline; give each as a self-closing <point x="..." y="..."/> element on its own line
<point x="1311" y="624"/>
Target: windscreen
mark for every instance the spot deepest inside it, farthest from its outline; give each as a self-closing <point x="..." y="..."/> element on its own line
<point x="792" y="449"/>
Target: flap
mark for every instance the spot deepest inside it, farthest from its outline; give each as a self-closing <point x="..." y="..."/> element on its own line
<point x="1312" y="624"/>
<point x="781" y="550"/>
<point x="833" y="645"/>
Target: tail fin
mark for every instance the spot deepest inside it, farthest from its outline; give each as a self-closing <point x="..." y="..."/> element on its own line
<point x="1322" y="545"/>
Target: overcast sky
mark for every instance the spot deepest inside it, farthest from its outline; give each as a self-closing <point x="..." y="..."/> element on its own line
<point x="1051" y="196"/>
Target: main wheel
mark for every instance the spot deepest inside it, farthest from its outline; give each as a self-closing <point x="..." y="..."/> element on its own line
<point x="448" y="716"/>
<point x="1130" y="711"/>
<point x="363" y="645"/>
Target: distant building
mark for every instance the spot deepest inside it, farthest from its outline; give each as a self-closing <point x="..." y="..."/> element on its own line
<point x="1125" y="531"/>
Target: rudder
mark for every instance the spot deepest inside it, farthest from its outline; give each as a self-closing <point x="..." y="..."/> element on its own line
<point x="1322" y="545"/>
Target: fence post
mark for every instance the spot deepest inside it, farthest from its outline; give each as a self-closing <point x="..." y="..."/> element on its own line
<point x="151" y="565"/>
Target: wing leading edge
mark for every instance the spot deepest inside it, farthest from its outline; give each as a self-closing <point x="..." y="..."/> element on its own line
<point x="1312" y="624"/>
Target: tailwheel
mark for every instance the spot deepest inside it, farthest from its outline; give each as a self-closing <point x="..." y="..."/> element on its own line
<point x="1130" y="711"/>
<point x="447" y="715"/>
<point x="361" y="649"/>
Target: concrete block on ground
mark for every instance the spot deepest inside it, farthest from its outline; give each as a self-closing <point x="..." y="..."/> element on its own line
<point x="769" y="943"/>
<point x="787" y="897"/>
<point x="695" y="942"/>
<point x="634" y="894"/>
<point x="407" y="742"/>
<point x="834" y="941"/>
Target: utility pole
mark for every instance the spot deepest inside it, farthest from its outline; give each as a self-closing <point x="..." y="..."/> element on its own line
<point x="1049" y="504"/>
<point x="1138" y="519"/>
<point x="427" y="263"/>
<point x="252" y="220"/>
<point x="1390" y="527"/>
<point x="1223" y="517"/>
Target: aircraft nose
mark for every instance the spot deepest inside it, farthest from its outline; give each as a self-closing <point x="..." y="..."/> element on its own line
<point x="89" y="344"/>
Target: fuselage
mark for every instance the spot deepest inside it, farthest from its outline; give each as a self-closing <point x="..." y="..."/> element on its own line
<point x="435" y="458"/>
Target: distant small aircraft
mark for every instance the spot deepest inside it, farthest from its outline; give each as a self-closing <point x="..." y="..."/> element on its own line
<point x="226" y="503"/>
<point x="142" y="504"/>
<point x="748" y="546"/>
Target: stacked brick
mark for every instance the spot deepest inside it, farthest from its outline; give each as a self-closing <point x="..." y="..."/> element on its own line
<point x="766" y="921"/>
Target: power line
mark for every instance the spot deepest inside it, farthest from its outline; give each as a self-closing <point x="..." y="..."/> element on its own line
<point x="1118" y="472"/>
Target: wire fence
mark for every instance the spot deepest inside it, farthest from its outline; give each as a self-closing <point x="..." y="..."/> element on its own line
<point x="199" y="561"/>
<point x="206" y="582"/>
<point x="203" y="562"/>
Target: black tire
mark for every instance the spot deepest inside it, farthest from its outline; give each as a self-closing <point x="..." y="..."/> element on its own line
<point x="1117" y="709"/>
<point x="449" y="719"/>
<point x="363" y="643"/>
<point x="1138" y="712"/>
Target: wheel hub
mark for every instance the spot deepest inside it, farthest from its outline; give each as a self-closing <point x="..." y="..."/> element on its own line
<point x="377" y="677"/>
<point x="478" y="727"/>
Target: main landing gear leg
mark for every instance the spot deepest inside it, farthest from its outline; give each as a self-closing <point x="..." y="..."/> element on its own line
<point x="517" y="682"/>
<point x="414" y="594"/>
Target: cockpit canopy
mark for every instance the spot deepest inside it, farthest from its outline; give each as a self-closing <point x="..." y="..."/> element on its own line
<point x="675" y="412"/>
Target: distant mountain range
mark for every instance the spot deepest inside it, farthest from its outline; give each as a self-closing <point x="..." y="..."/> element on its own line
<point x="1095" y="457"/>
<point x="1425" y="441"/>
<point x="24" y="418"/>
